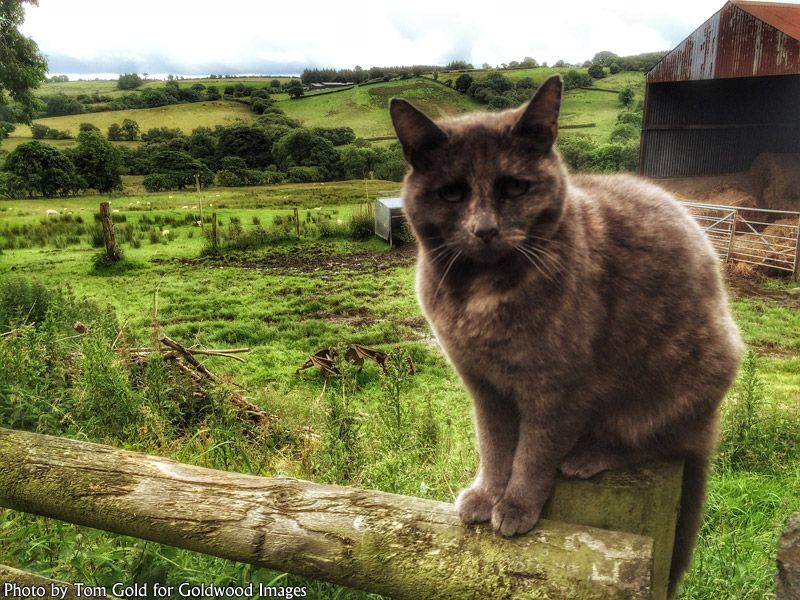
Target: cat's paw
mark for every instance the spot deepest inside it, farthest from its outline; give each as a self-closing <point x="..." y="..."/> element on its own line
<point x="584" y="466"/>
<point x="510" y="519"/>
<point x="474" y="506"/>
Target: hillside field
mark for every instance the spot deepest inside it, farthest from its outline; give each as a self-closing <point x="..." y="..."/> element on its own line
<point x="183" y="116"/>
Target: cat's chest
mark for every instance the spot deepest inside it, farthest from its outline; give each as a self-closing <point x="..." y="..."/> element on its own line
<point x="482" y="314"/>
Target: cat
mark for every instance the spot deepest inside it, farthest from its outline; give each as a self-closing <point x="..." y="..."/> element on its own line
<point x="585" y="314"/>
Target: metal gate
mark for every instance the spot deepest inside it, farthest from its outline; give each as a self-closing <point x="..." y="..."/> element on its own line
<point x="768" y="238"/>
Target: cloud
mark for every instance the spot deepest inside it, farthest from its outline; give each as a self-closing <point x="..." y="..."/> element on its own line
<point x="182" y="36"/>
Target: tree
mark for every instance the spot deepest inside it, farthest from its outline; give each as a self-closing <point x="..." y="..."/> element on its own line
<point x="203" y="145"/>
<point x="463" y="82"/>
<point x="88" y="127"/>
<point x="5" y="129"/>
<point x="177" y="170"/>
<point x="358" y="162"/>
<point x="130" y="130"/>
<point x="250" y="143"/>
<point x="626" y="97"/>
<point x="39" y="131"/>
<point x="159" y="135"/>
<point x="275" y="83"/>
<point x="596" y="71"/>
<point x="604" y="58"/>
<point x="212" y="93"/>
<point x="22" y="66"/>
<point x="529" y="63"/>
<point x="115" y="132"/>
<point x="499" y="82"/>
<point x="304" y="148"/>
<point x="97" y="162"/>
<point x="42" y="169"/>
<point x="575" y="79"/>
<point x="614" y="68"/>
<point x="295" y="88"/>
<point x="61" y="104"/>
<point x="129" y="81"/>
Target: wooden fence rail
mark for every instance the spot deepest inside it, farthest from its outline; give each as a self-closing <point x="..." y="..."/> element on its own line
<point x="384" y="543"/>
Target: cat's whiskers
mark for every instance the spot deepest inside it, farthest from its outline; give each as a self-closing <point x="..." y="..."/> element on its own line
<point x="449" y="266"/>
<point x="440" y="252"/>
<point x="547" y="259"/>
<point x="551" y="257"/>
<point x="535" y="260"/>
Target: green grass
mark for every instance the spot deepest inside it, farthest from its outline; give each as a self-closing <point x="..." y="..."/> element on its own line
<point x="365" y="108"/>
<point x="183" y="116"/>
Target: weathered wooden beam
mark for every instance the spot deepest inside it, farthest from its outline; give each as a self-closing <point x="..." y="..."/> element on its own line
<point x="21" y="585"/>
<point x="395" y="545"/>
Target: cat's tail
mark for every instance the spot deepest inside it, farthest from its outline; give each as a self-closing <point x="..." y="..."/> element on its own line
<point x="695" y="473"/>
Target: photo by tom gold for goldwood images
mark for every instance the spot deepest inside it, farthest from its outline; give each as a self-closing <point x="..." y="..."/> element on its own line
<point x="414" y="300"/>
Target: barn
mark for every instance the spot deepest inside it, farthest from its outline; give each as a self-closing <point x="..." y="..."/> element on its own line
<point x="726" y="94"/>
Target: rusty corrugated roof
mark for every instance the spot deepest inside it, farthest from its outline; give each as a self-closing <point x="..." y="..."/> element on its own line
<point x="782" y="16"/>
<point x="742" y="39"/>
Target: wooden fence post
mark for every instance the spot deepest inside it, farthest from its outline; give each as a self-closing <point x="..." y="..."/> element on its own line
<point x="297" y="221"/>
<point x="214" y="244"/>
<point x="112" y="252"/>
<point x="199" y="199"/>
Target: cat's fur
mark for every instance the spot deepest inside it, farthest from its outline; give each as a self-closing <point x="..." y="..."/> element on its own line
<point x="586" y="315"/>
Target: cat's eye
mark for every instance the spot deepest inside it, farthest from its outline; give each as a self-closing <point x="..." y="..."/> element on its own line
<point x="453" y="192"/>
<point x="511" y="187"/>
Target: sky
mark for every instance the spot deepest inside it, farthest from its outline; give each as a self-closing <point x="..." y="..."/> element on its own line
<point x="284" y="37"/>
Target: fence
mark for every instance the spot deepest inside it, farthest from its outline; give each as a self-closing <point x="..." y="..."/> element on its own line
<point x="610" y="537"/>
<point x="761" y="237"/>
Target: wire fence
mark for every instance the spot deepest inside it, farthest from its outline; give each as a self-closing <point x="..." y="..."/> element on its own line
<point x="761" y="237"/>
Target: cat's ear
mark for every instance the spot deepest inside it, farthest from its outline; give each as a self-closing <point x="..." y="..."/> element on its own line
<point x="418" y="135"/>
<point x="539" y="120"/>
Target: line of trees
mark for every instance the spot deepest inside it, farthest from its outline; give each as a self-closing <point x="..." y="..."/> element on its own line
<point x="359" y="75"/>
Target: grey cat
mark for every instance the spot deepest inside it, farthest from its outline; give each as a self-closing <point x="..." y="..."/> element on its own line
<point x="585" y="314"/>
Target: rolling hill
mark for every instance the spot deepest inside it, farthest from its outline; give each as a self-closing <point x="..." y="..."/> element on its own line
<point x="590" y="111"/>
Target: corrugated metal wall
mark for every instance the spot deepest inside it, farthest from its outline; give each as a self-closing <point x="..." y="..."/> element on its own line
<point x="712" y="127"/>
<point x="733" y="43"/>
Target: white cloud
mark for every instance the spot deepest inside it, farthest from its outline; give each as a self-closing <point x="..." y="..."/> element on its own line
<point x="199" y="36"/>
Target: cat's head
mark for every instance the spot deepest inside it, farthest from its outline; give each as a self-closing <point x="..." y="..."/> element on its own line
<point x="485" y="183"/>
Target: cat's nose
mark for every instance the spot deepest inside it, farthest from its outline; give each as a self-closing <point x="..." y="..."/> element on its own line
<point x="486" y="232"/>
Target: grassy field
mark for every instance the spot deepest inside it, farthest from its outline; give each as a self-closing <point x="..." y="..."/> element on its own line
<point x="285" y="300"/>
<point x="183" y="116"/>
<point x="365" y="108"/>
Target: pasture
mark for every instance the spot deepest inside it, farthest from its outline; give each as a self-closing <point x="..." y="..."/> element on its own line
<point x="285" y="298"/>
<point x="183" y="116"/>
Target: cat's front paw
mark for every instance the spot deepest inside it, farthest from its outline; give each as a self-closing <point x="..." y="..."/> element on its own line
<point x="474" y="505"/>
<point x="510" y="519"/>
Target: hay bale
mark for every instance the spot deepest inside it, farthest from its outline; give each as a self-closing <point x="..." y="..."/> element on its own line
<point x="776" y="178"/>
<point x="728" y="194"/>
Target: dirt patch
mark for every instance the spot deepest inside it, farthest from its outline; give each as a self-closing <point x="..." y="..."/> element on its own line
<point x="310" y="261"/>
<point x="743" y="285"/>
